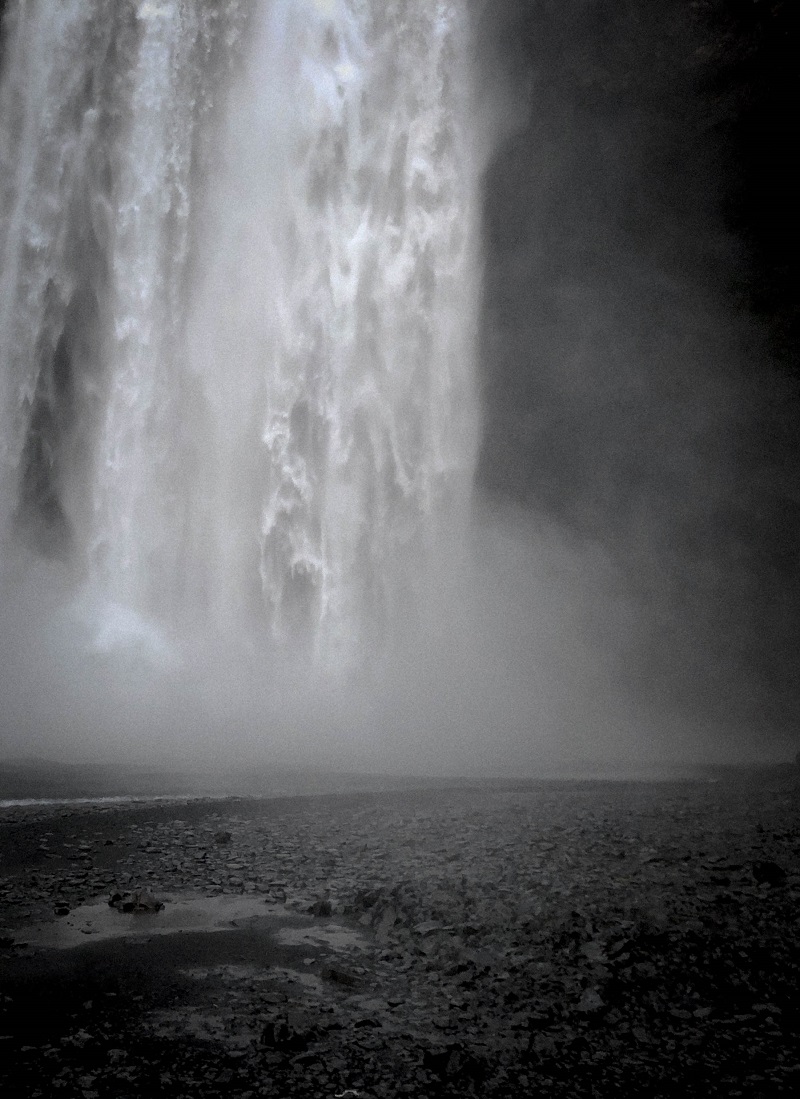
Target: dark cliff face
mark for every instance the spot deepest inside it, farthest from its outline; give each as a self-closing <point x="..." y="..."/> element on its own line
<point x="651" y="195"/>
<point x="639" y="361"/>
<point x="3" y="6"/>
<point x="753" y="73"/>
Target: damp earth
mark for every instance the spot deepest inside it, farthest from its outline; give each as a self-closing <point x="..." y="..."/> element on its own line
<point x="568" y="939"/>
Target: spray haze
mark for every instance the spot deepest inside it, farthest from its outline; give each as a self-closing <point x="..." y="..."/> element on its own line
<point x="248" y="339"/>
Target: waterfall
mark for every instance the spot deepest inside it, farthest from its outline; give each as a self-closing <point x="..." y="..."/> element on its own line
<point x="238" y="299"/>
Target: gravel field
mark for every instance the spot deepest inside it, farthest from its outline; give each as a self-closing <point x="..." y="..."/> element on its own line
<point x="557" y="939"/>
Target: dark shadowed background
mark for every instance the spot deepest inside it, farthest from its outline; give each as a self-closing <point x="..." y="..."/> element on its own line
<point x="639" y="356"/>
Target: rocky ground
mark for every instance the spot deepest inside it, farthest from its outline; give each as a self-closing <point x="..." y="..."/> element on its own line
<point x="564" y="939"/>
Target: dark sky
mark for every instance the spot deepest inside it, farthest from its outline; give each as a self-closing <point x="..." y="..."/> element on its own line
<point x="639" y="359"/>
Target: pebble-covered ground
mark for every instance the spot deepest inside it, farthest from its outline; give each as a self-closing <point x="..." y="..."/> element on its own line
<point x="568" y="939"/>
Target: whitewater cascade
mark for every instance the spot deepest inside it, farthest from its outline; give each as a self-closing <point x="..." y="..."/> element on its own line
<point x="238" y="300"/>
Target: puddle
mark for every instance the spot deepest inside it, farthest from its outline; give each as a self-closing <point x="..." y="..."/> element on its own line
<point x="97" y="922"/>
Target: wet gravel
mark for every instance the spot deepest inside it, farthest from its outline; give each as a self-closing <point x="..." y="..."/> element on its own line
<point x="565" y="939"/>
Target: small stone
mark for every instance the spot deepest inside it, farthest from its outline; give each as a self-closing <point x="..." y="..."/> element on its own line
<point x="769" y="873"/>
<point x="386" y="923"/>
<point x="338" y="976"/>
<point x="321" y="907"/>
<point x="591" y="1002"/>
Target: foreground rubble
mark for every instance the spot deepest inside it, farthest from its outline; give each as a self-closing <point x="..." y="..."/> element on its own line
<point x="566" y="939"/>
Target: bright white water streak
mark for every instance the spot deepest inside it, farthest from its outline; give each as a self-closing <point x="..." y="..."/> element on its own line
<point x="238" y="299"/>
